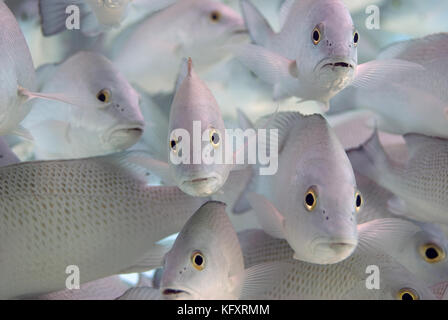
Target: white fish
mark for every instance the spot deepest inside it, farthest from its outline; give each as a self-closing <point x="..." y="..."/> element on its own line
<point x="420" y="185"/>
<point x="314" y="56"/>
<point x="98" y="214"/>
<point x="312" y="200"/>
<point x="206" y="261"/>
<point x="344" y="280"/>
<point x="149" y="51"/>
<point x="104" y="117"/>
<point x="7" y="156"/>
<point x="103" y="289"/>
<point x="193" y="103"/>
<point x="415" y="102"/>
<point x="17" y="73"/>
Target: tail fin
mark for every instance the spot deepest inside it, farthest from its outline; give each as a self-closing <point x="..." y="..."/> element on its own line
<point x="370" y="159"/>
<point x="259" y="29"/>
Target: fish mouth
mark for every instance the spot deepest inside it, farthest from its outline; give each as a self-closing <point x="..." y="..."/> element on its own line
<point x="174" y="293"/>
<point x="123" y="137"/>
<point x="333" y="250"/>
<point x="201" y="186"/>
<point x="337" y="62"/>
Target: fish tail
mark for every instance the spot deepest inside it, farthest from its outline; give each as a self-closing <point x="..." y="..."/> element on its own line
<point x="370" y="159"/>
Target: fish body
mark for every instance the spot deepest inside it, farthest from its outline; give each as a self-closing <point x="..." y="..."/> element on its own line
<point x="312" y="200"/>
<point x="344" y="280"/>
<point x="97" y="214"/>
<point x="104" y="118"/>
<point x="419" y="186"/>
<point x="149" y="52"/>
<point x="16" y="70"/>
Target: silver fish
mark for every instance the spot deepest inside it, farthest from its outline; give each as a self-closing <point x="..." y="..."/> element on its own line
<point x="104" y="115"/>
<point x="420" y="186"/>
<point x="149" y="51"/>
<point x="411" y="102"/>
<point x="312" y="200"/>
<point x="206" y="261"/>
<point x="344" y="280"/>
<point x="193" y="105"/>
<point x="98" y="214"/>
<point x="314" y="56"/>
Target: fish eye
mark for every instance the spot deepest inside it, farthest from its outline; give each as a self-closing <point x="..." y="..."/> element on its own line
<point x="432" y="253"/>
<point x="310" y="200"/>
<point x="215" y="139"/>
<point x="316" y="35"/>
<point x="215" y="16"/>
<point x="104" y="95"/>
<point x="355" y="37"/>
<point x="358" y="201"/>
<point x="198" y="261"/>
<point x="407" y="294"/>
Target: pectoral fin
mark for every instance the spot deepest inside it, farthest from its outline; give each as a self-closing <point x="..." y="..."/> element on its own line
<point x="269" y="218"/>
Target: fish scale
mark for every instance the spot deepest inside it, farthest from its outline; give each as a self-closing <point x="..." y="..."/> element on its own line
<point x="344" y="280"/>
<point x="91" y="213"/>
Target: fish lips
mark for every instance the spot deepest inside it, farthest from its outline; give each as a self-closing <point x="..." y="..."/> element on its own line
<point x="201" y="186"/>
<point x="123" y="137"/>
<point x="337" y="63"/>
<point x="333" y="250"/>
<point x="174" y="293"/>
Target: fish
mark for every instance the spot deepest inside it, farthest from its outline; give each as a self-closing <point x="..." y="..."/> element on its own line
<point x="206" y="261"/>
<point x="103" y="289"/>
<point x="97" y="214"/>
<point x="314" y="56"/>
<point x="141" y="293"/>
<point x="185" y="167"/>
<point x="344" y="280"/>
<point x="149" y="51"/>
<point x="17" y="72"/>
<point x="419" y="186"/>
<point x="312" y="201"/>
<point x="7" y="156"/>
<point x="105" y="116"/>
<point x="414" y="102"/>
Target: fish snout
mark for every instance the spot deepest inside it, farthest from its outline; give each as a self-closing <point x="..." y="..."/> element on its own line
<point x="125" y="136"/>
<point x="334" y="249"/>
<point x="201" y="185"/>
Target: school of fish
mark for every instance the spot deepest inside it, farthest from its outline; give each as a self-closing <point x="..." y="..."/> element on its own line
<point x="223" y="150"/>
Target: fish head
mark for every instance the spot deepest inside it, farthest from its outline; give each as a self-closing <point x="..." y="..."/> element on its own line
<point x="211" y="28"/>
<point x="109" y="12"/>
<point x="320" y="223"/>
<point x="197" y="139"/>
<point x="330" y="46"/>
<point x="111" y="110"/>
<point x="204" y="257"/>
